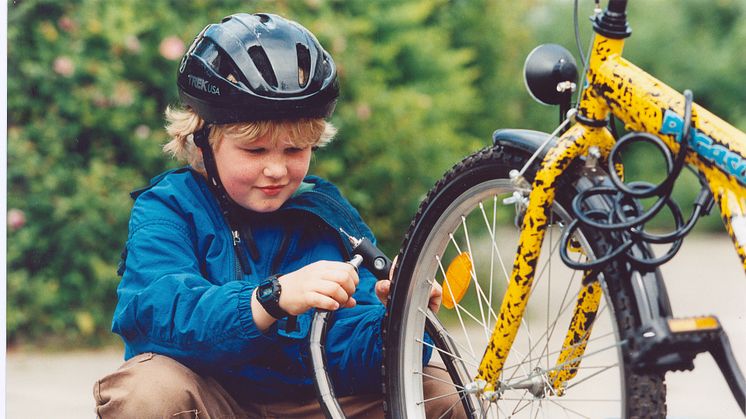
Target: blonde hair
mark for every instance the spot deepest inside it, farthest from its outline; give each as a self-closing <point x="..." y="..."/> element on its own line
<point x="181" y="124"/>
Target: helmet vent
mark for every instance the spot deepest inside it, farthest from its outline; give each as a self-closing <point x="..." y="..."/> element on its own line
<point x="222" y="65"/>
<point x="261" y="61"/>
<point x="208" y="52"/>
<point x="304" y="64"/>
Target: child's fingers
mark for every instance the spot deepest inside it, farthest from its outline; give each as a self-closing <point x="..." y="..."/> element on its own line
<point x="326" y="285"/>
<point x="436" y="297"/>
<point x="323" y="302"/>
<point x="383" y="288"/>
<point x="351" y="302"/>
<point x="391" y="271"/>
<point x="343" y="274"/>
<point x="335" y="291"/>
<point x="353" y="273"/>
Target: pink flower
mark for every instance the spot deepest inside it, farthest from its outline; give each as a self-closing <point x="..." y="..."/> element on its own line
<point x="132" y="44"/>
<point x="172" y="48"/>
<point x="16" y="219"/>
<point x="123" y="94"/>
<point x="363" y="111"/>
<point x="64" y="66"/>
<point x="67" y="24"/>
<point x="142" y="132"/>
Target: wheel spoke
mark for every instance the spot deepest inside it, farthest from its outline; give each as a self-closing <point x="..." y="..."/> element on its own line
<point x="452" y="406"/>
<point x="451" y="354"/>
<point x="432" y="377"/>
<point x="441" y="396"/>
<point x="458" y="310"/>
<point x="603" y="370"/>
<point x="493" y="248"/>
<point x="457" y="222"/>
<point x="480" y="293"/>
<point x="518" y="406"/>
<point x="529" y="361"/>
<point x="563" y="309"/>
<point x="570" y="361"/>
<point x="567" y="409"/>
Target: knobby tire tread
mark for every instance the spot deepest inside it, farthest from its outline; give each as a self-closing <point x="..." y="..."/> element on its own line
<point x="645" y="392"/>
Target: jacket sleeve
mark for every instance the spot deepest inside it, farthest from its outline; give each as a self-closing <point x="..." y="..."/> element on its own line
<point x="166" y="304"/>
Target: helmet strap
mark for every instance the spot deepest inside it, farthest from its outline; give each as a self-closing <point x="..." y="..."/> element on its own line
<point x="228" y="207"/>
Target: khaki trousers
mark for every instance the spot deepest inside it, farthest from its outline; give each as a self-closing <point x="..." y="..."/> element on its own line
<point x="156" y="386"/>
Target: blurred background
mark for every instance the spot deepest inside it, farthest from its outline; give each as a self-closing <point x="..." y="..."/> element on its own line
<point x="424" y="83"/>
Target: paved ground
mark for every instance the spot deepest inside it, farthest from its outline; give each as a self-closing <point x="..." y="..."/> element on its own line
<point x="706" y="278"/>
<point x="47" y="385"/>
<point x="44" y="385"/>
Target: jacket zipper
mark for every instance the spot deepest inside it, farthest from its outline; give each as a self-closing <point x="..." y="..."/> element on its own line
<point x="242" y="265"/>
<point x="237" y="266"/>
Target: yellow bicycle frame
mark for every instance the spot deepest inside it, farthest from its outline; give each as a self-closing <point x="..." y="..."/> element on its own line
<point x="644" y="104"/>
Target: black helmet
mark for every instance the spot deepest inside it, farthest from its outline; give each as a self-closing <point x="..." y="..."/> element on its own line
<point x="257" y="67"/>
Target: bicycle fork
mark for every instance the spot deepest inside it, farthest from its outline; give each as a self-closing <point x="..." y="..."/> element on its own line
<point x="574" y="143"/>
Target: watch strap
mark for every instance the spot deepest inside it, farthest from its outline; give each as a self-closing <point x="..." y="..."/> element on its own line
<point x="271" y="302"/>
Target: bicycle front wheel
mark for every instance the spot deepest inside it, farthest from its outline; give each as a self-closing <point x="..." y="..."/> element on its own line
<point x="466" y="225"/>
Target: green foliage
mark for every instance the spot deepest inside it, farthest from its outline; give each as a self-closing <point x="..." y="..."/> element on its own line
<point x="87" y="86"/>
<point x="704" y="42"/>
<point x="424" y="82"/>
<point x="88" y="83"/>
<point x="401" y="114"/>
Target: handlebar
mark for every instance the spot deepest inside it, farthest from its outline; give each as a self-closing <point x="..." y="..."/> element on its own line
<point x="612" y="22"/>
<point x="617" y="6"/>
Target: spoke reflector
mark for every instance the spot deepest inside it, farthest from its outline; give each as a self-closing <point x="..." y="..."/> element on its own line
<point x="458" y="277"/>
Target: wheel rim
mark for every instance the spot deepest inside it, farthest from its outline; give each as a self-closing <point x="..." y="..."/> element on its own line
<point x="534" y="353"/>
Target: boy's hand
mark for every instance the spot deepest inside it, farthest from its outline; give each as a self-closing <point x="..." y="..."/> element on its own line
<point x="383" y="288"/>
<point x="436" y="294"/>
<point x="325" y="285"/>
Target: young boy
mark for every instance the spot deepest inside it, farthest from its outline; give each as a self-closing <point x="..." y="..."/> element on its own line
<point x="200" y="340"/>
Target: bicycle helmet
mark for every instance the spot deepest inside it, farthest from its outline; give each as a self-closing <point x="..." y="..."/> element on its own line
<point x="253" y="67"/>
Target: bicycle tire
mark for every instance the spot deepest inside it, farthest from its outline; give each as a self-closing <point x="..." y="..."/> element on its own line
<point x="485" y="174"/>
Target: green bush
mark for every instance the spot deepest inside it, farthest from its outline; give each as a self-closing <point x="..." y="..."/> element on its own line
<point x="424" y="82"/>
<point x="88" y="83"/>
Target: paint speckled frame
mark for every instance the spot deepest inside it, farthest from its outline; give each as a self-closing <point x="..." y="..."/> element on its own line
<point x="643" y="103"/>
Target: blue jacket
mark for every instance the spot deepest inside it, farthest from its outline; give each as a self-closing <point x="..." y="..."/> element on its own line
<point x="183" y="294"/>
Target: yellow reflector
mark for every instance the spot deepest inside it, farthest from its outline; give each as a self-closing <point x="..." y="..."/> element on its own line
<point x="458" y="276"/>
<point x="693" y="323"/>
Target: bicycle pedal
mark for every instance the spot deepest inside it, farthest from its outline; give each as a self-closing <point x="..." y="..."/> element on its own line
<point x="671" y="344"/>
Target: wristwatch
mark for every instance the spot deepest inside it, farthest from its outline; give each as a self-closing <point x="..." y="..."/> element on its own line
<point x="268" y="295"/>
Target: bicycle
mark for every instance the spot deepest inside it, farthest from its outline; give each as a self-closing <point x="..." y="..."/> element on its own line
<point x="542" y="347"/>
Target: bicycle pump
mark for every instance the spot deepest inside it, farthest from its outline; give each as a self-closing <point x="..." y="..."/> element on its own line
<point x="364" y="253"/>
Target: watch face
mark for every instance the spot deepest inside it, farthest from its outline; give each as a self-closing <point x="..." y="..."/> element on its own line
<point x="268" y="294"/>
<point x="265" y="292"/>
